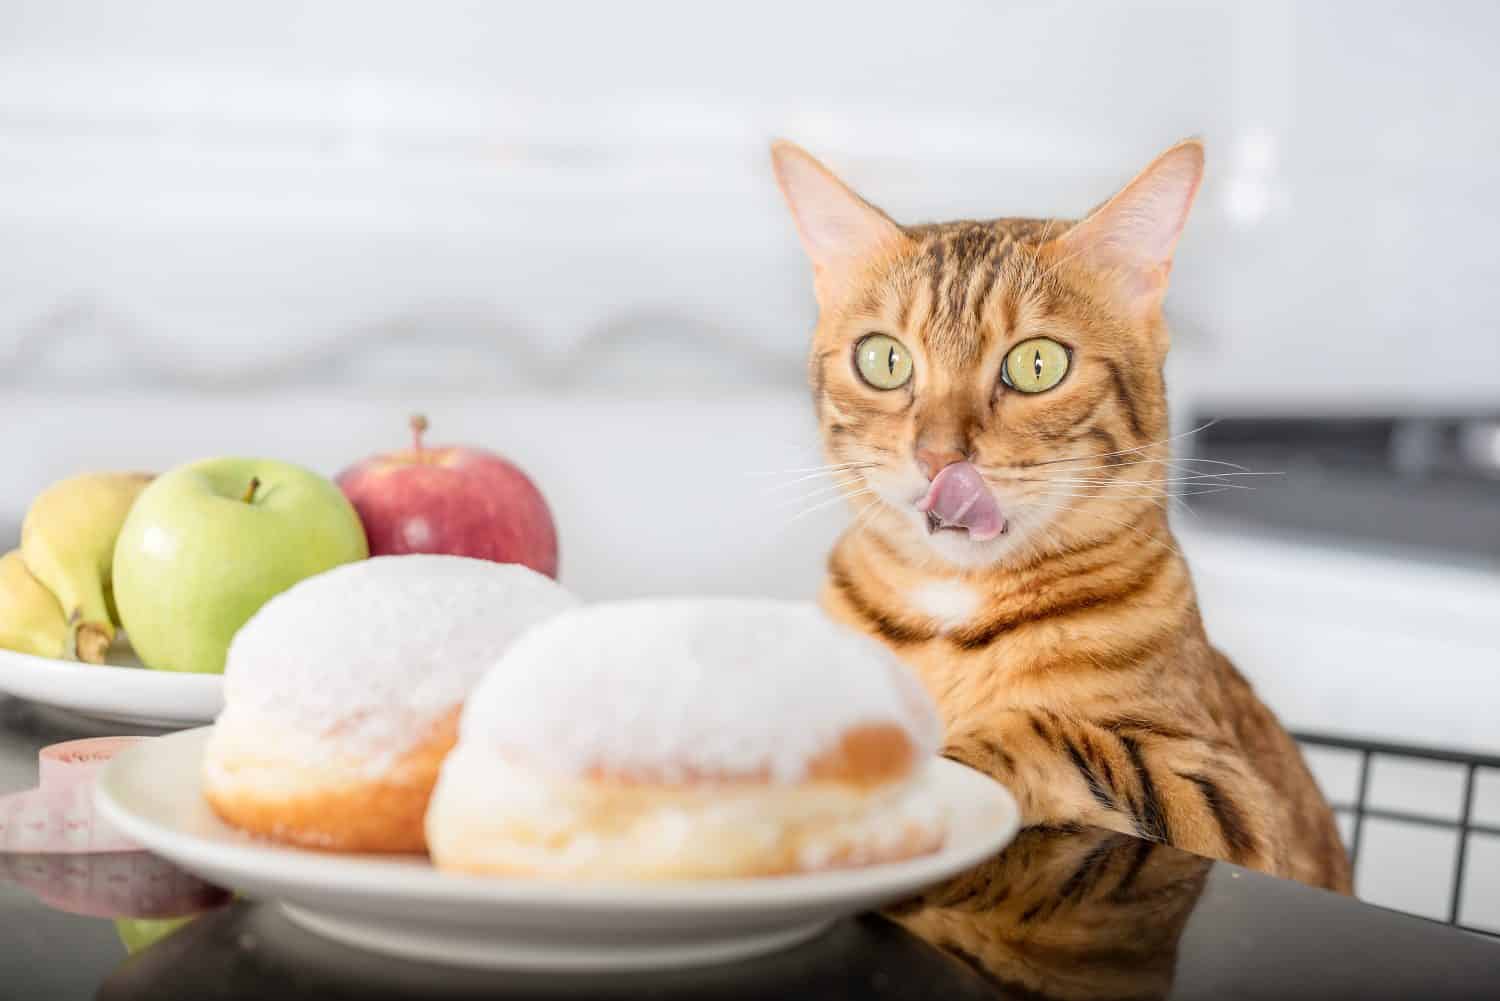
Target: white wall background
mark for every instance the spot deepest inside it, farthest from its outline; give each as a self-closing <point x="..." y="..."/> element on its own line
<point x="460" y="195"/>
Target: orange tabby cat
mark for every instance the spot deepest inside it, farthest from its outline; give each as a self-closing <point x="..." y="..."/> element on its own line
<point x="991" y="395"/>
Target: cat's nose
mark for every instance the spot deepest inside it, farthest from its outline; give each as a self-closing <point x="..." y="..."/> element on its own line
<point x="934" y="459"/>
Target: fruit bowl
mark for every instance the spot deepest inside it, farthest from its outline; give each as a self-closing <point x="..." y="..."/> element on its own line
<point x="121" y="691"/>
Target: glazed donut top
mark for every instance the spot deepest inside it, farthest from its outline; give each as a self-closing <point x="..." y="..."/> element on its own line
<point x="373" y="652"/>
<point x="669" y="690"/>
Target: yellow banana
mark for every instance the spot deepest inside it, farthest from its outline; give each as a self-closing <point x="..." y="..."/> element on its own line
<point x="31" y="620"/>
<point x="68" y="543"/>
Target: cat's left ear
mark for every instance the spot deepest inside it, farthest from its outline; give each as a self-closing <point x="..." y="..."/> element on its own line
<point x="1130" y="238"/>
<point x="841" y="232"/>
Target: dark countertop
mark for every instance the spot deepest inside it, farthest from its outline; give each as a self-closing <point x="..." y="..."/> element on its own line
<point x="1061" y="913"/>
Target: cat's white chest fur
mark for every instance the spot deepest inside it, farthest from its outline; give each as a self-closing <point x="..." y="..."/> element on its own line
<point x="950" y="603"/>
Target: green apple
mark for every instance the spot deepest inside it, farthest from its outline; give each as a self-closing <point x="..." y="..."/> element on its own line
<point x="207" y="544"/>
<point x="142" y="933"/>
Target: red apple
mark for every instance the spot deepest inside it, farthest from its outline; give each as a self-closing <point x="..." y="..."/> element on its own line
<point x="459" y="501"/>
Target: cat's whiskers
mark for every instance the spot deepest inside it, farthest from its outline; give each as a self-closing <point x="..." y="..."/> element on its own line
<point x="820" y="492"/>
<point x="782" y="525"/>
<point x="1100" y="481"/>
<point x="1128" y="451"/>
<point x="810" y="473"/>
<point x="1173" y="463"/>
<point x="1173" y="485"/>
<point x="803" y="469"/>
<point x="830" y="502"/>
<point x="1168" y="495"/>
<point x="1184" y="460"/>
<point x="1106" y="491"/>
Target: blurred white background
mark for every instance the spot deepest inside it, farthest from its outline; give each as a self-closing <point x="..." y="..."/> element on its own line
<point x="484" y="195"/>
<point x="278" y="228"/>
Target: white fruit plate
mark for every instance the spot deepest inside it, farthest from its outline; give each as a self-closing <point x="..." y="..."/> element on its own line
<point x="403" y="906"/>
<point x="121" y="691"/>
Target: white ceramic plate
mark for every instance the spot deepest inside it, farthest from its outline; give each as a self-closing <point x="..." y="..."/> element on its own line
<point x="405" y="907"/>
<point x="121" y="691"/>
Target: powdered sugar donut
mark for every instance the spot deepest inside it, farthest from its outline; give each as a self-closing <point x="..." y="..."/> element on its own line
<point x="688" y="739"/>
<point x="342" y="695"/>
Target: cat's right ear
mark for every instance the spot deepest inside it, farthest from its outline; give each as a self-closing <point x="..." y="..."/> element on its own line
<point x="840" y="231"/>
<point x="1131" y="238"/>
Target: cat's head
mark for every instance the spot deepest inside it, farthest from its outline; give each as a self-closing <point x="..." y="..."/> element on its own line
<point x="992" y="390"/>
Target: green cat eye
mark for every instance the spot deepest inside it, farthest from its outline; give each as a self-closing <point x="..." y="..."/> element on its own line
<point x="882" y="361"/>
<point x="1035" y="365"/>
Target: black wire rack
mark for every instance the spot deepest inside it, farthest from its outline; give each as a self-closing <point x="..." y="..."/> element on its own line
<point x="1360" y="810"/>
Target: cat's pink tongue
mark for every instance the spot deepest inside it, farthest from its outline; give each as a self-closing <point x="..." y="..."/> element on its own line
<point x="959" y="497"/>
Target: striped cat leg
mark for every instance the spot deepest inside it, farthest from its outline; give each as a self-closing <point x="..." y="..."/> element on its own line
<point x="1128" y="776"/>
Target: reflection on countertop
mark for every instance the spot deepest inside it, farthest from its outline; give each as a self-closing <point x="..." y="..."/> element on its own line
<point x="1062" y="913"/>
<point x="255" y="951"/>
<point x="1068" y="914"/>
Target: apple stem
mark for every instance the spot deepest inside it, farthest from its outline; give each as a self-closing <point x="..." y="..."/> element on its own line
<point x="250" y="493"/>
<point x="418" y="426"/>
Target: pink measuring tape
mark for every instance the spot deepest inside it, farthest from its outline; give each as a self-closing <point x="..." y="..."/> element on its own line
<point x="58" y="816"/>
<point x="54" y="844"/>
<point x="111" y="885"/>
